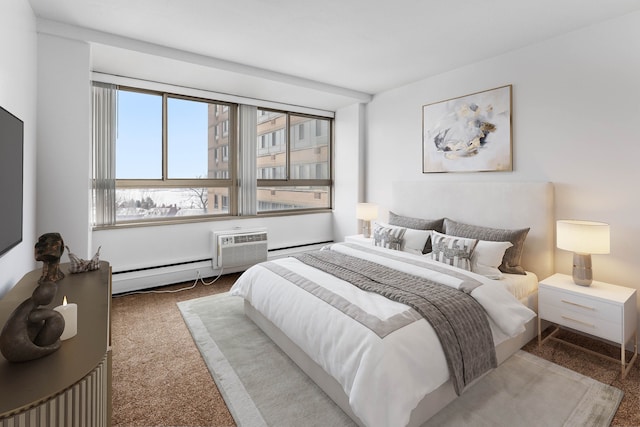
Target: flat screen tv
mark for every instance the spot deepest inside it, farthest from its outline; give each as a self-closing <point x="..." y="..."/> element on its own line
<point x="11" y="158"/>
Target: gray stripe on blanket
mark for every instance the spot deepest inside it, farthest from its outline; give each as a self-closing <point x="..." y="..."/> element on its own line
<point x="381" y="327"/>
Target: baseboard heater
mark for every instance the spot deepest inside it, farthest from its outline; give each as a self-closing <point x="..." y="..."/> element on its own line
<point x="146" y="277"/>
<point x="305" y="247"/>
<point x="175" y="264"/>
<point x="296" y="249"/>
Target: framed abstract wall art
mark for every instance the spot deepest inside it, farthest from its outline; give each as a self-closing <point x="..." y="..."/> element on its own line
<point x="471" y="133"/>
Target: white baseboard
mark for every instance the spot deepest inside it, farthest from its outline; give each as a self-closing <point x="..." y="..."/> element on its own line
<point x="281" y="253"/>
<point x="146" y="278"/>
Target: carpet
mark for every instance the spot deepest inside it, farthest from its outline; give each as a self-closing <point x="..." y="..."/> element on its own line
<point x="263" y="387"/>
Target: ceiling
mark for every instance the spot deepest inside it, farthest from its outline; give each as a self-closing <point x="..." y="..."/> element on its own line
<point x="362" y="46"/>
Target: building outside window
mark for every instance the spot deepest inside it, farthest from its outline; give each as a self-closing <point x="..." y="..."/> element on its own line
<point x="294" y="171"/>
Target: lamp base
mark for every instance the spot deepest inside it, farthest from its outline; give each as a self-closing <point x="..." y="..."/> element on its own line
<point x="366" y="229"/>
<point x="582" y="272"/>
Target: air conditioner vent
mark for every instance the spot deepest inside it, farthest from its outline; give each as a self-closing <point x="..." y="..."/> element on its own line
<point x="248" y="238"/>
<point x="239" y="248"/>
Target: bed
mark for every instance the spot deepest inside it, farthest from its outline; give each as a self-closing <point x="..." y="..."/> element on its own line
<point x="378" y="358"/>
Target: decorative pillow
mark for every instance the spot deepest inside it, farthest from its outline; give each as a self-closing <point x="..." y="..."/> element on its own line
<point x="487" y="257"/>
<point x="413" y="240"/>
<point x="512" y="256"/>
<point x="452" y="250"/>
<point x="388" y="237"/>
<point x="418" y="224"/>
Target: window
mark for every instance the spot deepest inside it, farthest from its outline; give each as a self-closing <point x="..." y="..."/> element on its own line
<point x="297" y="167"/>
<point x="161" y="156"/>
<point x="171" y="168"/>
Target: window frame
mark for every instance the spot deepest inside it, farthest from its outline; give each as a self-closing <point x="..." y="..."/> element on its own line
<point x="235" y="193"/>
<point x="168" y="183"/>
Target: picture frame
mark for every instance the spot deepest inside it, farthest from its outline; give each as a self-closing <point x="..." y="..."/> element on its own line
<point x="470" y="133"/>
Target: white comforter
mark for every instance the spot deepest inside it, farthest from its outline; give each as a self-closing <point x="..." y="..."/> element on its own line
<point x="385" y="378"/>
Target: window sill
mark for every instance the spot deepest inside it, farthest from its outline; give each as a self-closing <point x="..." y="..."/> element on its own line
<point x="173" y="221"/>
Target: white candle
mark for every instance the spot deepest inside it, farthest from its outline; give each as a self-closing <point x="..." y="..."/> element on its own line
<point x="70" y="314"/>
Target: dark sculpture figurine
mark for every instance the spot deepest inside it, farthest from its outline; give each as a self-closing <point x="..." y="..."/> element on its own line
<point x="33" y="332"/>
<point x="49" y="249"/>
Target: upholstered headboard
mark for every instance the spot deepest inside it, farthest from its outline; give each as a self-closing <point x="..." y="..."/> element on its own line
<point x="490" y="204"/>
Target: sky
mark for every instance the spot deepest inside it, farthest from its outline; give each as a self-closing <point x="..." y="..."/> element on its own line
<point x="139" y="137"/>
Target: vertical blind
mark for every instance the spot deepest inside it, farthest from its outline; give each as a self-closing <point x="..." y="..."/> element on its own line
<point x="247" y="164"/>
<point x="104" y="151"/>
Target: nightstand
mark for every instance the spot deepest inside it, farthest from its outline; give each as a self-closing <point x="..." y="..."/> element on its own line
<point x="360" y="239"/>
<point x="601" y="310"/>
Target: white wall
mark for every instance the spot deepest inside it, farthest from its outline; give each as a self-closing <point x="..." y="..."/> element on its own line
<point x="18" y="49"/>
<point x="575" y="123"/>
<point x="142" y="247"/>
<point x="64" y="141"/>
<point x="348" y="169"/>
<point x="152" y="248"/>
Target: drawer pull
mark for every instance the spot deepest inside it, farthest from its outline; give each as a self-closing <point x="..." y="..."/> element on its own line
<point x="578" y="305"/>
<point x="578" y="321"/>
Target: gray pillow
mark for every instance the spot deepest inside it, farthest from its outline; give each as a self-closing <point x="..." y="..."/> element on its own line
<point x="512" y="256"/>
<point x="417" y="224"/>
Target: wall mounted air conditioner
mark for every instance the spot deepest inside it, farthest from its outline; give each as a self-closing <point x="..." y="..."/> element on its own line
<point x="237" y="248"/>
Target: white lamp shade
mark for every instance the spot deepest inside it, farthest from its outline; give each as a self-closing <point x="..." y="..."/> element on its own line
<point x="584" y="237"/>
<point x="367" y="211"/>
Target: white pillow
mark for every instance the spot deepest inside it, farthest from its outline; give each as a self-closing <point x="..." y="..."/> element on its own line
<point x="413" y="240"/>
<point x="487" y="257"/>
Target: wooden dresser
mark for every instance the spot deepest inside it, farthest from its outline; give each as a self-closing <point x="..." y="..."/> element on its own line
<point x="73" y="385"/>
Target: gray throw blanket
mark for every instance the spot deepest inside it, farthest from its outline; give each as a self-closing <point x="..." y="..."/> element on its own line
<point x="459" y="321"/>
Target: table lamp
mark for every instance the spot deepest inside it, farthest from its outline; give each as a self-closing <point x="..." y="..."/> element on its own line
<point x="366" y="212"/>
<point x="583" y="238"/>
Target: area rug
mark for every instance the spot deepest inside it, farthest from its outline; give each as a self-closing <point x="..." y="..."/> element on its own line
<point x="263" y="387"/>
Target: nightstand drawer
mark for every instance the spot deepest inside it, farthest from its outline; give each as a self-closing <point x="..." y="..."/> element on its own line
<point x="582" y="321"/>
<point x="595" y="309"/>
